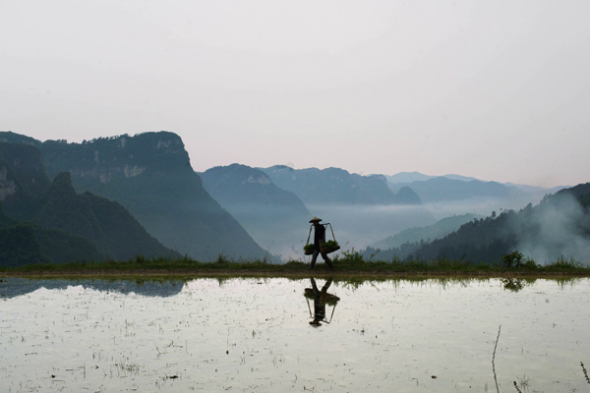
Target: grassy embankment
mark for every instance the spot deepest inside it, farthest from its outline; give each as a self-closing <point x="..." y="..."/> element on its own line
<point x="347" y="264"/>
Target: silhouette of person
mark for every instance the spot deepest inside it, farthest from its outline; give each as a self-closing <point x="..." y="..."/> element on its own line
<point x="319" y="238"/>
<point x="320" y="298"/>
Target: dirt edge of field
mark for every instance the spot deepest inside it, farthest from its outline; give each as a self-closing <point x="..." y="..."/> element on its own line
<point x="369" y="275"/>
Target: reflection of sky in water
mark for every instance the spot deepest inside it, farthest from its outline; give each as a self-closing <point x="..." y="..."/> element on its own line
<point x="254" y="335"/>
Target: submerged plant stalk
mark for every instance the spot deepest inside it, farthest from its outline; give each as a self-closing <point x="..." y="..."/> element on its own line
<point x="494" y="359"/>
<point x="516" y="387"/>
<point x="585" y="372"/>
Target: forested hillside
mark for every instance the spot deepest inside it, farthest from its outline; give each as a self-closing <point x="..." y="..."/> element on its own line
<point x="558" y="227"/>
<point x="105" y="223"/>
<point x="45" y="221"/>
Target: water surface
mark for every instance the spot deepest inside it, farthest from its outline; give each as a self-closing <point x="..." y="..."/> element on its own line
<point x="254" y="335"/>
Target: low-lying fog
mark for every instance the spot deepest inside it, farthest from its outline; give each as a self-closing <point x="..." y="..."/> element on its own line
<point x="358" y="226"/>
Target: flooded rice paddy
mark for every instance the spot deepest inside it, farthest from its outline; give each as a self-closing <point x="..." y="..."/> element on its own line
<point x="255" y="335"/>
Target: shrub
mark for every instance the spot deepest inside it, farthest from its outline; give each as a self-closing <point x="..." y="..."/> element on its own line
<point x="514" y="259"/>
<point x="530" y="264"/>
<point x="563" y="263"/>
<point x="352" y="257"/>
<point x="221" y="259"/>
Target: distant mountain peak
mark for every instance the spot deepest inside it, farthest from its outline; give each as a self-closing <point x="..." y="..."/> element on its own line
<point x="407" y="196"/>
<point x="236" y="173"/>
<point x="279" y="168"/>
<point x="273" y="216"/>
<point x="408" y="177"/>
<point x="333" y="185"/>
<point x="13" y="137"/>
<point x="460" y="177"/>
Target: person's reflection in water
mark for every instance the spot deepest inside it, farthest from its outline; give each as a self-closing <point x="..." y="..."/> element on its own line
<point x="320" y="299"/>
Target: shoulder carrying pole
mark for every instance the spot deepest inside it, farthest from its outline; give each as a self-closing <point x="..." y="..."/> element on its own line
<point x="308" y="235"/>
<point x="331" y="229"/>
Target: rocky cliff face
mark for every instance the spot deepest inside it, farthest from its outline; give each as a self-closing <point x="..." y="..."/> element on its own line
<point x="23" y="180"/>
<point x="7" y="183"/>
<point x="61" y="225"/>
<point x="150" y="174"/>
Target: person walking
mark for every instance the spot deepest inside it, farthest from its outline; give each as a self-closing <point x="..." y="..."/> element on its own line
<point x="319" y="238"/>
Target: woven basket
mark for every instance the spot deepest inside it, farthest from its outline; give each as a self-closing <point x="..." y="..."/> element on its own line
<point x="329" y="249"/>
<point x="328" y="298"/>
<point x="309" y="249"/>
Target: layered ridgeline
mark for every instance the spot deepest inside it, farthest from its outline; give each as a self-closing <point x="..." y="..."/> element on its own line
<point x="558" y="227"/>
<point x="151" y="176"/>
<point x="362" y="209"/>
<point x="442" y="189"/>
<point x="45" y="221"/>
<point x="153" y="288"/>
<point x="336" y="186"/>
<point x="451" y="194"/>
<point x="277" y="219"/>
<point x="425" y="234"/>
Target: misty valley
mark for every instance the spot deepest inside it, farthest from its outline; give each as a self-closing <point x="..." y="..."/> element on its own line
<point x="122" y="197"/>
<point x="310" y="197"/>
<point x="135" y="202"/>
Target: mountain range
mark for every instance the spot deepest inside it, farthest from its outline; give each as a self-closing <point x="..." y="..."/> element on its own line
<point x="14" y="287"/>
<point x="274" y="217"/>
<point x="123" y="196"/>
<point x="410" y="177"/>
<point x="453" y="191"/>
<point x="360" y="208"/>
<point x="151" y="176"/>
<point x="335" y="186"/>
<point x="46" y="221"/>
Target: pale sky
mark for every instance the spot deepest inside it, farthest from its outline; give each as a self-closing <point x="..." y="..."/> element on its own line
<point x="498" y="90"/>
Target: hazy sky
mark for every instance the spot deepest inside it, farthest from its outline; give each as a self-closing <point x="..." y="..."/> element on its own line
<point x="498" y="90"/>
